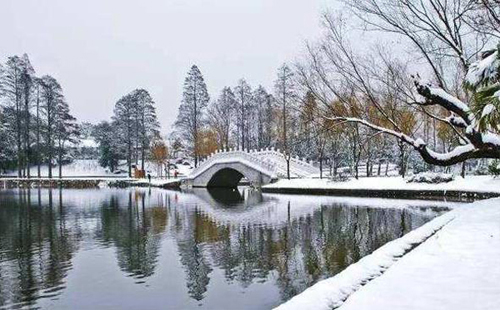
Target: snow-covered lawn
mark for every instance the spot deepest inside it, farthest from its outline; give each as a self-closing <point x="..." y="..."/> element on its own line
<point x="470" y="183"/>
<point x="456" y="268"/>
<point x="81" y="167"/>
<point x="91" y="167"/>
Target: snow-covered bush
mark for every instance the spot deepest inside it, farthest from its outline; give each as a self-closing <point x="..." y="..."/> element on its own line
<point x="494" y="168"/>
<point x="430" y="177"/>
<point x="340" y="177"/>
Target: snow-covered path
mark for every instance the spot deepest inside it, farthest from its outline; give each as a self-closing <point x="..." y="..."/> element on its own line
<point x="457" y="268"/>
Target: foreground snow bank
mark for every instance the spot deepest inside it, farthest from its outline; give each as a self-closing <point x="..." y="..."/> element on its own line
<point x="470" y="183"/>
<point x="457" y="268"/>
<point x="332" y="292"/>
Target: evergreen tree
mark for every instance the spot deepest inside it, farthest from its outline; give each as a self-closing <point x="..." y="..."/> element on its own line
<point x="66" y="131"/>
<point x="190" y="119"/>
<point x="109" y="155"/>
<point x="147" y="124"/>
<point x="123" y="118"/>
<point x="136" y="125"/>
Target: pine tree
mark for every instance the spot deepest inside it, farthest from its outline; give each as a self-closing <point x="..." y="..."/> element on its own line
<point x="105" y="135"/>
<point x="123" y="118"/>
<point x="190" y="119"/>
<point x="147" y="122"/>
<point x="66" y="131"/>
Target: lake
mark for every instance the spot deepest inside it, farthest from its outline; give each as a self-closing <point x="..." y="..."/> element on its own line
<point x="159" y="249"/>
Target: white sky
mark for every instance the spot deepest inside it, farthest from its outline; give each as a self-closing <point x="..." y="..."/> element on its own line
<point x="100" y="50"/>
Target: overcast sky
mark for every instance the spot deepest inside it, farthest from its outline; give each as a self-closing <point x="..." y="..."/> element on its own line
<point x="100" y="50"/>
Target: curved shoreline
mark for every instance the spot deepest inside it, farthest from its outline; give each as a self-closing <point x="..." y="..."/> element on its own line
<point x="455" y="195"/>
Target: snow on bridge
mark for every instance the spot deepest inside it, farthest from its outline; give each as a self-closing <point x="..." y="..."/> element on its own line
<point x="259" y="167"/>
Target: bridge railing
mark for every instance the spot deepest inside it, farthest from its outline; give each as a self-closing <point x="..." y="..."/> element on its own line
<point x="300" y="167"/>
<point x="270" y="160"/>
<point x="235" y="155"/>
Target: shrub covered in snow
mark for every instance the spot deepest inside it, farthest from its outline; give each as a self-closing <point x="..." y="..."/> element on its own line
<point x="341" y="177"/>
<point x="494" y="167"/>
<point x="430" y="177"/>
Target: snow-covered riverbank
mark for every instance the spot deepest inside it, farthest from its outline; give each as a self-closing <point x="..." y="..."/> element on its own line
<point x="456" y="268"/>
<point x="470" y="183"/>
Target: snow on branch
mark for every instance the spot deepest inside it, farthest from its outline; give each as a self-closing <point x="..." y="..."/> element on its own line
<point x="456" y="121"/>
<point x="455" y="156"/>
<point x="484" y="70"/>
<point x="438" y="96"/>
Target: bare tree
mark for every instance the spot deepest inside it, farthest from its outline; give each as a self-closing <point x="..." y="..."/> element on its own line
<point x="220" y="116"/>
<point x="243" y="95"/>
<point x="285" y="94"/>
<point x="335" y="71"/>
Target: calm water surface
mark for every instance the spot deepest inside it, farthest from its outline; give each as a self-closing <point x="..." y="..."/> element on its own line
<point x="157" y="249"/>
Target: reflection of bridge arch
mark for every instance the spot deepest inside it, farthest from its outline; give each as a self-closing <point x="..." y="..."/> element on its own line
<point x="226" y="169"/>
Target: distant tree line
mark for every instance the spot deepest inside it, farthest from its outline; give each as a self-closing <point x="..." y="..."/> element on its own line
<point x="36" y="126"/>
<point x="288" y="118"/>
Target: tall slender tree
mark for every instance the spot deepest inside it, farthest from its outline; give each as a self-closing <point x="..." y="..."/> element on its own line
<point x="66" y="131"/>
<point x="52" y="99"/>
<point x="12" y="85"/>
<point x="190" y="119"/>
<point x="243" y="94"/>
<point x="220" y="115"/>
<point x="285" y="95"/>
<point x="123" y="117"/>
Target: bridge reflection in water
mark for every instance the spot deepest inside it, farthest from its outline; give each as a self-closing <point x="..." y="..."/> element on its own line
<point x="153" y="249"/>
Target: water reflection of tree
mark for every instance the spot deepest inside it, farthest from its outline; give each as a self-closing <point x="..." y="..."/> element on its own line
<point x="37" y="247"/>
<point x="296" y="254"/>
<point x="193" y="232"/>
<point x="135" y="230"/>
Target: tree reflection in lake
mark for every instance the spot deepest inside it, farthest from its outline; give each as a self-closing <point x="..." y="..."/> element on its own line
<point x="224" y="247"/>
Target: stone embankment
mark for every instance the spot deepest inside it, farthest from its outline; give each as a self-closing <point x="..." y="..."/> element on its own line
<point x="81" y="183"/>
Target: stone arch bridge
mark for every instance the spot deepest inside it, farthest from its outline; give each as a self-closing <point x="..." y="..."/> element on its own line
<point x="227" y="169"/>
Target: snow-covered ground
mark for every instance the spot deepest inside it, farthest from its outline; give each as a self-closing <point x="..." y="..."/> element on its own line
<point x="91" y="167"/>
<point x="470" y="183"/>
<point x="82" y="167"/>
<point x="456" y="268"/>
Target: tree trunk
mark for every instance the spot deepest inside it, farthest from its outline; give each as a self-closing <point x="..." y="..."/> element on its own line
<point x="38" y="151"/>
<point x="27" y="132"/>
<point x="60" y="161"/>
<point x="321" y="167"/>
<point x="49" y="138"/>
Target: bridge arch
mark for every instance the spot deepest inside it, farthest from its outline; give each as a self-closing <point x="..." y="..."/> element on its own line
<point x="225" y="177"/>
<point x="228" y="174"/>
